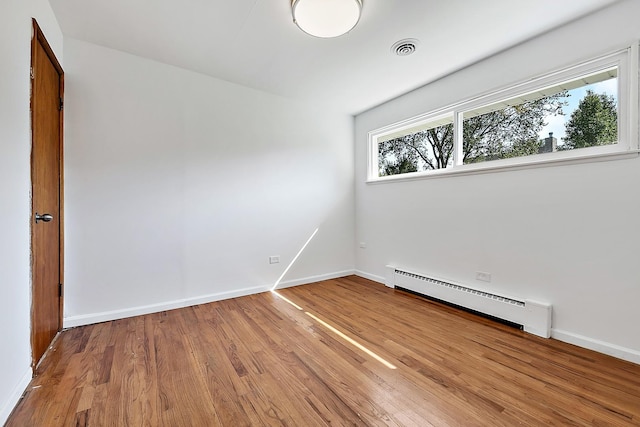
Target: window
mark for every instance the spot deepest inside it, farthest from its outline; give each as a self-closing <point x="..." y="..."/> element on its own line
<point x="423" y="147"/>
<point x="580" y="112"/>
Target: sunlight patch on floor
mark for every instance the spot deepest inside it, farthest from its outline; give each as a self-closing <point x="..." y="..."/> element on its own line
<point x="337" y="332"/>
<point x="285" y="299"/>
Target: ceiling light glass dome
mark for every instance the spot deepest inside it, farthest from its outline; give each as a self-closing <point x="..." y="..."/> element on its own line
<point x="326" y="18"/>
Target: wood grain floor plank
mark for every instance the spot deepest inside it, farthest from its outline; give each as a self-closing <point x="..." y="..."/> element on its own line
<point x="261" y="361"/>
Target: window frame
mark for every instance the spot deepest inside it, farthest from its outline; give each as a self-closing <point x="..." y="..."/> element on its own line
<point x="626" y="62"/>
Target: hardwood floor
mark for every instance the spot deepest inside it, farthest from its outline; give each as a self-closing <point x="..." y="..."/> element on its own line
<point x="259" y="360"/>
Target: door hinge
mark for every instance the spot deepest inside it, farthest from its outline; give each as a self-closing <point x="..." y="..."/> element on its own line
<point x="61" y="103"/>
<point x="31" y="73"/>
<point x="60" y="290"/>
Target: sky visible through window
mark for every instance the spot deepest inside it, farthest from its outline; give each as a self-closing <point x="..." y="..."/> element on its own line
<point x="556" y="124"/>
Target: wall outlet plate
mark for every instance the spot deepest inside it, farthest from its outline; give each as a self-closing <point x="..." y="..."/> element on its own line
<point x="275" y="259"/>
<point x="483" y="276"/>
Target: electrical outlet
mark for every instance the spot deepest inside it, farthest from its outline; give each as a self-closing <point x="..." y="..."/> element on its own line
<point x="275" y="259"/>
<point x="482" y="276"/>
<point x="363" y="245"/>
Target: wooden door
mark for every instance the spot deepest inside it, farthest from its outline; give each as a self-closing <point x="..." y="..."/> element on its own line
<point x="46" y="180"/>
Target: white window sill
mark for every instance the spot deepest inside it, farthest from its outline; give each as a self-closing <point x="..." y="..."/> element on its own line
<point x="505" y="165"/>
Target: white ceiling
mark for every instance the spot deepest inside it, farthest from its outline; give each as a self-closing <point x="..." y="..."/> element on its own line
<point x="255" y="43"/>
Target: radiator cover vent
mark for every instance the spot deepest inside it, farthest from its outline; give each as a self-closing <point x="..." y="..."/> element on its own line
<point x="534" y="316"/>
<point x="461" y="288"/>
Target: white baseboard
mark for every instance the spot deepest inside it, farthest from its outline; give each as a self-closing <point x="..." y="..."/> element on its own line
<point x="14" y="397"/>
<point x="369" y="276"/>
<point x="313" y="279"/>
<point x="87" y="319"/>
<point x="614" y="350"/>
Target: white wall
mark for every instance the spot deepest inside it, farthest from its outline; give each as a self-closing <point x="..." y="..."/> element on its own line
<point x="567" y="235"/>
<point x="15" y="186"/>
<point x="180" y="186"/>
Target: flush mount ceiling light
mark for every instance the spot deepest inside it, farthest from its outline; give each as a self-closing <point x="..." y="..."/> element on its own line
<point x="326" y="18"/>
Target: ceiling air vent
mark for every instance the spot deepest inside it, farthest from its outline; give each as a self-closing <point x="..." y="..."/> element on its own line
<point x="405" y="47"/>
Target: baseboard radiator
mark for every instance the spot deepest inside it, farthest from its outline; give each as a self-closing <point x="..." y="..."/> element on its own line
<point x="533" y="316"/>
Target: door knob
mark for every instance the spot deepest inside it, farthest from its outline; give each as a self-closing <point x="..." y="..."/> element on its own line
<point x="43" y="217"/>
